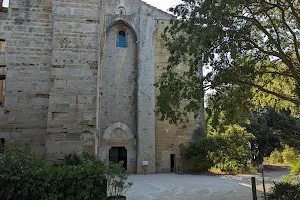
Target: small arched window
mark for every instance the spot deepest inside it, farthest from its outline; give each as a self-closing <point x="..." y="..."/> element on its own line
<point x="122" y="39"/>
<point x="122" y="11"/>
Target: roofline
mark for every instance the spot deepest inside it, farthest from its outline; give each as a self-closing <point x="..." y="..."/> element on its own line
<point x="164" y="12"/>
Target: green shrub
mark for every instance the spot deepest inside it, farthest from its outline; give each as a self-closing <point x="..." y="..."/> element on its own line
<point x="228" y="151"/>
<point x="285" y="191"/>
<point x="74" y="159"/>
<point x="55" y="182"/>
<point x="287" y="179"/>
<point x="232" y="153"/>
<point x="289" y="155"/>
<point x="295" y="167"/>
<point x="231" y="166"/>
<point x="26" y="177"/>
<point x="198" y="154"/>
<point x="74" y="182"/>
<point x="117" y="181"/>
<point x="20" y="160"/>
<point x="275" y="157"/>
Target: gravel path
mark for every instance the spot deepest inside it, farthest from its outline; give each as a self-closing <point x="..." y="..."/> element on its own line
<point x="196" y="187"/>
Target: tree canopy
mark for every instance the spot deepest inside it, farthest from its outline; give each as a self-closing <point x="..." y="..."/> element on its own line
<point x="251" y="47"/>
<point x="272" y="130"/>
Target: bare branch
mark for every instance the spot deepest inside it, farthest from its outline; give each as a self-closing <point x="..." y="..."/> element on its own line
<point x="295" y="41"/>
<point x="264" y="30"/>
<point x="295" y="12"/>
<point x="274" y="27"/>
<point x="270" y="53"/>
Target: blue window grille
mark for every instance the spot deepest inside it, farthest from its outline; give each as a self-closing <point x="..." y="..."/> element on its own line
<point x="122" y="40"/>
<point x="121" y="12"/>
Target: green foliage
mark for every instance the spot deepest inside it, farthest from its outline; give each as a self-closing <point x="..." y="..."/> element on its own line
<point x="295" y="167"/>
<point x="252" y="48"/>
<point x="117" y="181"/>
<point x="285" y="191"/>
<point x="266" y="139"/>
<point x="20" y="160"/>
<point x="289" y="155"/>
<point x="275" y="157"/>
<point x="25" y="176"/>
<point x="287" y="179"/>
<point x="230" y="105"/>
<point x="291" y="179"/>
<point x="174" y="89"/>
<point x="227" y="150"/>
<point x="233" y="153"/>
<point x="272" y="130"/>
<point x="74" y="159"/>
<point x="55" y="182"/>
<point x="198" y="153"/>
<point x="74" y="182"/>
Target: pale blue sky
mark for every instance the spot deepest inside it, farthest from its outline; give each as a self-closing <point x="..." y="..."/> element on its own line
<point x="5" y="3"/>
<point x="161" y="4"/>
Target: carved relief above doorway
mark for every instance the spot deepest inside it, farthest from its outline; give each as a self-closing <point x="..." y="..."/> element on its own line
<point x="118" y="144"/>
<point x="117" y="131"/>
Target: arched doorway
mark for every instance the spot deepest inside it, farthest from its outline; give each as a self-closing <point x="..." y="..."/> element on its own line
<point x="119" y="145"/>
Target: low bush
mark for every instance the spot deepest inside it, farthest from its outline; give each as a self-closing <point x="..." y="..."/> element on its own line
<point x="55" y="182"/>
<point x="74" y="182"/>
<point x="74" y="159"/>
<point x="275" y="157"/>
<point x="197" y="154"/>
<point x="284" y="191"/>
<point x="228" y="151"/>
<point x="25" y="176"/>
<point x="289" y="155"/>
<point x="232" y="153"/>
<point x="295" y="167"/>
<point x="117" y="181"/>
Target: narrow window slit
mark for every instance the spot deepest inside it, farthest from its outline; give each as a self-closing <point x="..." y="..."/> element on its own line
<point x="122" y="39"/>
<point x="3" y="70"/>
<point x="2" y="45"/>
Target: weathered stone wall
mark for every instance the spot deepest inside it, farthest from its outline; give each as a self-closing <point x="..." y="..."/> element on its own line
<point x="141" y="19"/>
<point x="119" y="91"/>
<point x="72" y="105"/>
<point x="73" y="95"/>
<point x="170" y="139"/>
<point x="52" y="51"/>
<point x="27" y="31"/>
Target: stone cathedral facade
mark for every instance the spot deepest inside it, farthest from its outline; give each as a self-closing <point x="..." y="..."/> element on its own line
<point x="77" y="76"/>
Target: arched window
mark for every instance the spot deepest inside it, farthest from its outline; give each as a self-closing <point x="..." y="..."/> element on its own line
<point x="121" y="11"/>
<point x="122" y="39"/>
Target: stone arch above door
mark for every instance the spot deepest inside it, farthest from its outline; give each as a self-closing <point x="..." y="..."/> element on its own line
<point x="118" y="130"/>
<point x="119" y="135"/>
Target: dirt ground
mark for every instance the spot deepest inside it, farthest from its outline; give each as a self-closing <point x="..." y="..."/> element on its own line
<point x="199" y="187"/>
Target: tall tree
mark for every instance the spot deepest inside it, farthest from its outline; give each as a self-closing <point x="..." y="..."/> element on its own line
<point x="251" y="46"/>
<point x="272" y="130"/>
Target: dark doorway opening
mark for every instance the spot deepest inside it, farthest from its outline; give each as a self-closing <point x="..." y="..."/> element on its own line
<point x="172" y="158"/>
<point x="117" y="155"/>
